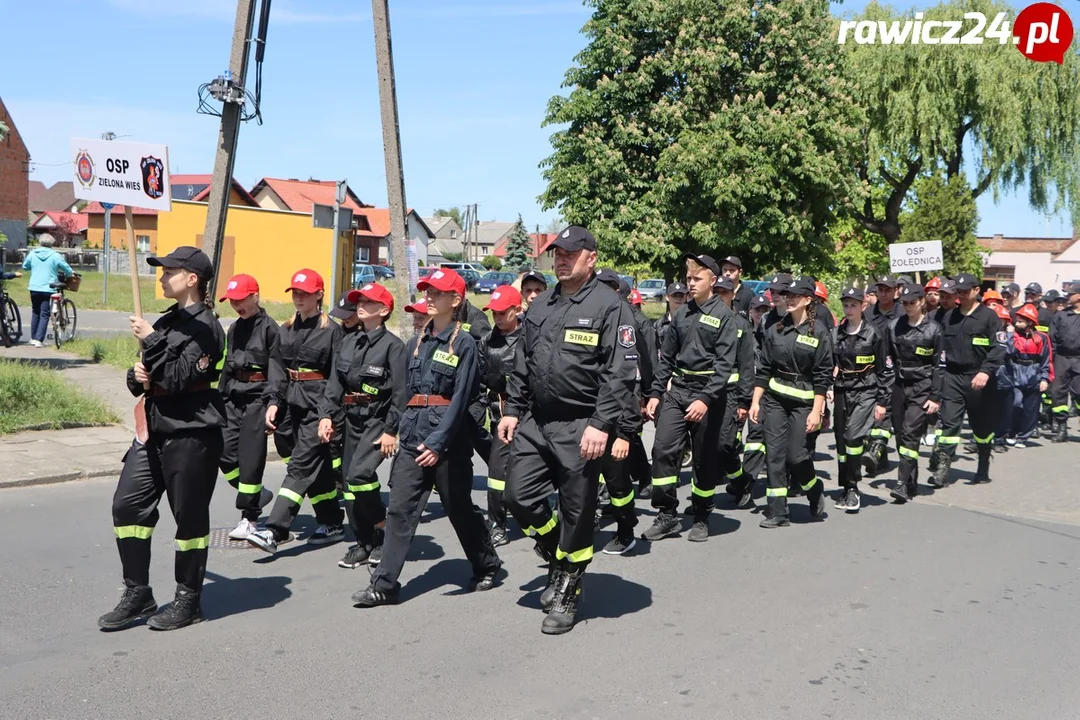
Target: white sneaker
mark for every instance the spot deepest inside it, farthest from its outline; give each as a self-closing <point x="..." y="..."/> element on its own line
<point x="37" y="343"/>
<point x="243" y="528"/>
<point x="930" y="439"/>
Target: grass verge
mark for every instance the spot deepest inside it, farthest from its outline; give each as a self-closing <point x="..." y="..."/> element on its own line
<point x="36" y="397"/>
<point x="121" y="351"/>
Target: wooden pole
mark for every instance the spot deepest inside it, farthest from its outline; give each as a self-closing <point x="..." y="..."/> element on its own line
<point x="136" y="294"/>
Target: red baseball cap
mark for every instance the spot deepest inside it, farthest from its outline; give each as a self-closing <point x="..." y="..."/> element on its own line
<point x="373" y="291"/>
<point x="635" y="297"/>
<point x="503" y="298"/>
<point x="239" y="287"/>
<point x="443" y="280"/>
<point x="419" y="307"/>
<point x="306" y="280"/>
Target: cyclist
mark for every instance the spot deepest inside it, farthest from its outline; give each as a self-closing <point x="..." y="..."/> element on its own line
<point x="45" y="266"/>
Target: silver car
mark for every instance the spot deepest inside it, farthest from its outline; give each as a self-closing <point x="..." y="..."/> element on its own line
<point x="652" y="289"/>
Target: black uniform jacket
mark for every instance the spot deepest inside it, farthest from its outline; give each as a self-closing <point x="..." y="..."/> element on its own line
<point x="303" y="347"/>
<point x="862" y="361"/>
<point x="702" y="341"/>
<point x="973" y="343"/>
<point x="436" y="369"/>
<point x="181" y="357"/>
<point x="1065" y="333"/>
<point x="795" y="363"/>
<point x="371" y="364"/>
<point x="251" y="342"/>
<point x="916" y="353"/>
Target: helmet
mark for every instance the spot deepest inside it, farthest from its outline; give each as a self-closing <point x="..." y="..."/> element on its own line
<point x="992" y="296"/>
<point x="1003" y="313"/>
<point x="1030" y="313"/>
<point x="934" y="284"/>
<point x="821" y="291"/>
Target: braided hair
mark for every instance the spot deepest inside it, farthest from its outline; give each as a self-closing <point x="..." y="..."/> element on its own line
<point x="457" y="318"/>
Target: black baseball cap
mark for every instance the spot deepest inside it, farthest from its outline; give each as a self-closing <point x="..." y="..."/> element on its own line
<point x="732" y="260"/>
<point x="912" y="291"/>
<point x="344" y="308"/>
<point x="1034" y="288"/>
<point x="948" y="286"/>
<point x="853" y="293"/>
<point x="624" y="288"/>
<point x="760" y="301"/>
<point x="609" y="277"/>
<point x="802" y="285"/>
<point x="187" y="257"/>
<point x="888" y="281"/>
<point x="704" y="261"/>
<point x="780" y="282"/>
<point x="1073" y="289"/>
<point x="575" y="238"/>
<point x="1052" y="296"/>
<point x="724" y="283"/>
<point x="1010" y="289"/>
<point x="967" y="281"/>
<point x="676" y="288"/>
<point x="534" y="275"/>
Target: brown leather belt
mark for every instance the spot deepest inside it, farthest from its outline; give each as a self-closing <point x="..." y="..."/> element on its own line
<point x="358" y="399"/>
<point x="251" y="376"/>
<point x="303" y="375"/>
<point x="423" y="401"/>
<point x="499" y="398"/>
<point x="158" y="391"/>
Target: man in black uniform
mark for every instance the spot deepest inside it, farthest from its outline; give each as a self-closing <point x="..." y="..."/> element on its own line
<point x="1011" y="294"/>
<point x="731" y="268"/>
<point x="676" y="296"/>
<point x="1065" y="339"/>
<point x="972" y="351"/>
<point x="574" y="375"/>
<point x="876" y="457"/>
<point x="740" y="392"/>
<point x="698" y="358"/>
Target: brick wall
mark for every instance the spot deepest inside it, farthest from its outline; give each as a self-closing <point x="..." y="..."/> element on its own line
<point x="14" y="181"/>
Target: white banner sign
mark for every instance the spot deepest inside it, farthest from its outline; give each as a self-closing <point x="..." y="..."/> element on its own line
<point x="121" y="173"/>
<point x="916" y="256"/>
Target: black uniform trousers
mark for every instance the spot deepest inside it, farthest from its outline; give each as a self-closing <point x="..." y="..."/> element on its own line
<point x="363" y="495"/>
<point x="705" y="439"/>
<point x="243" y="460"/>
<point x="312" y="471"/>
<point x="911" y="421"/>
<point x="784" y="425"/>
<point x="730" y="455"/>
<point x="480" y="430"/>
<point x="615" y="475"/>
<point x="545" y="458"/>
<point x="753" y="452"/>
<point x="184" y="467"/>
<point x="497" y="475"/>
<point x="853" y="418"/>
<point x="637" y="463"/>
<point x="412" y="484"/>
<point x="959" y="397"/>
<point x="1066" y="382"/>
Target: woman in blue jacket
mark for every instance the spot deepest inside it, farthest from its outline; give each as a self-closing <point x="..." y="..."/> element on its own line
<point x="45" y="266"/>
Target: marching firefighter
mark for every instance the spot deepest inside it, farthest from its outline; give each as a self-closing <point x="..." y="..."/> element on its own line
<point x="184" y="420"/>
<point x="1065" y="337"/>
<point x="915" y="351"/>
<point x="1022" y="378"/>
<point x="698" y="358"/>
<point x="637" y="463"/>
<point x="794" y="373"/>
<point x="252" y="339"/>
<point x="365" y="397"/>
<point x="876" y="457"/>
<point x="731" y="268"/>
<point x="675" y="297"/>
<point x="973" y="348"/>
<point x="740" y="391"/>
<point x="435" y="444"/>
<point x="573" y="381"/>
<point x="862" y="392"/>
<point x="496" y="363"/>
<point x="299" y="369"/>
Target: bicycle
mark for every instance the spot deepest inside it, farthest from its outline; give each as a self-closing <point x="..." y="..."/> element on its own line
<point x="10" y="319"/>
<point x="62" y="310"/>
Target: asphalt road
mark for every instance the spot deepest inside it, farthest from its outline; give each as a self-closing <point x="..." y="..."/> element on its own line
<point x="938" y="609"/>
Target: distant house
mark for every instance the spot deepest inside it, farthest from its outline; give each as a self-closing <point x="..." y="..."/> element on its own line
<point x="447" y="235"/>
<point x="60" y="229"/>
<point x="14" y="181"/>
<point x="301" y="195"/>
<point x="373" y="224"/>
<point x="1051" y="262"/>
<point x="144" y="220"/>
<point x="540" y="254"/>
<point x="486" y="236"/>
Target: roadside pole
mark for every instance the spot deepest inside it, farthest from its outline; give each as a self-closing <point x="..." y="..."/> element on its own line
<point x="105" y="254"/>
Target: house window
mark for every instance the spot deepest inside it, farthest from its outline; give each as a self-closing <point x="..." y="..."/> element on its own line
<point x="142" y="243"/>
<point x="363" y="255"/>
<point x="453" y="234"/>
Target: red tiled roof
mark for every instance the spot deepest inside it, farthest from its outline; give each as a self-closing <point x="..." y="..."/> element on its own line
<point x="540" y="244"/>
<point x="190" y="179"/>
<point x="95" y="208"/>
<point x="1000" y="243"/>
<point x="77" y="220"/>
<point x="301" y="195"/>
<point x="204" y="196"/>
<point x="379" y="221"/>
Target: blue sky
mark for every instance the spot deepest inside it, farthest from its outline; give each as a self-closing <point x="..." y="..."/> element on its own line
<point x="473" y="79"/>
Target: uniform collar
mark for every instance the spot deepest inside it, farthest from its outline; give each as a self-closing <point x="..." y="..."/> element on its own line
<point x="444" y="336"/>
<point x="577" y="298"/>
<point x="788" y="322"/>
<point x="864" y="328"/>
<point x="373" y="336"/>
<point x="706" y="306"/>
<point x="188" y="313"/>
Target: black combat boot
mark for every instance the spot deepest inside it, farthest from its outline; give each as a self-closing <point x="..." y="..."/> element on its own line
<point x="567" y="600"/>
<point x="982" y="473"/>
<point x="184" y="610"/>
<point x="1061" y="430"/>
<point x="940" y="478"/>
<point x="137" y="603"/>
<point x="871" y="457"/>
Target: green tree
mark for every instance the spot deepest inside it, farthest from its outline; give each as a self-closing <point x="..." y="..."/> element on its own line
<point x="696" y="125"/>
<point x="453" y="256"/>
<point x="454" y="213"/>
<point x="518" y="247"/>
<point x="945" y="210"/>
<point x="858" y="257"/>
<point x="928" y="105"/>
<point x="492" y="262"/>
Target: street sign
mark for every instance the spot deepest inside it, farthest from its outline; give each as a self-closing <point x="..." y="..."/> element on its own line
<point x="122" y="173"/>
<point x="322" y="216"/>
<point x="916" y="256"/>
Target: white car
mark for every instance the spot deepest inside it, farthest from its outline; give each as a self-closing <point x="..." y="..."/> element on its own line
<point x="459" y="266"/>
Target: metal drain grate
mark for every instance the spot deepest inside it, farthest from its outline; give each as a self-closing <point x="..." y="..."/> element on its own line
<point x="219" y="539"/>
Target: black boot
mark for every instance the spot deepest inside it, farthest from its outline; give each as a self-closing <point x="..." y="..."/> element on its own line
<point x="900" y="492"/>
<point x="871" y="457"/>
<point x="982" y="474"/>
<point x="137" y="603"/>
<point x="565" y="604"/>
<point x="1061" y="430"/>
<point x="547" y="597"/>
<point x="940" y="478"/>
<point x="184" y="610"/>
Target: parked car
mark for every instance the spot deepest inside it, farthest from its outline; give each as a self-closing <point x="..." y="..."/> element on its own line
<point x="653" y="289"/>
<point x="459" y="266"/>
<point x="757" y="286"/>
<point x="382" y="272"/>
<point x="363" y="274"/>
<point x="493" y="279"/>
<point x="425" y="271"/>
<point x="471" y="278"/>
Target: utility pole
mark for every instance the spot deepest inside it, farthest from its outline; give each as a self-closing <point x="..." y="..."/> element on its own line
<point x="225" y="161"/>
<point x="395" y="178"/>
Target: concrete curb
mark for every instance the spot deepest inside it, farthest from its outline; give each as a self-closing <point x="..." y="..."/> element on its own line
<point x="73" y="476"/>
